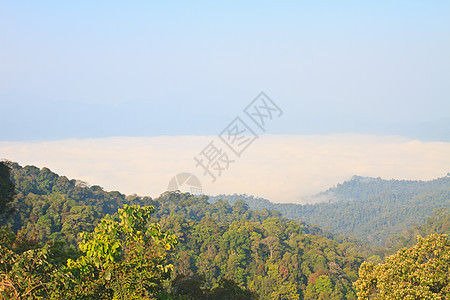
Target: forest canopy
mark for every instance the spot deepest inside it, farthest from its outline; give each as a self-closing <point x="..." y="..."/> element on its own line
<point x="69" y="239"/>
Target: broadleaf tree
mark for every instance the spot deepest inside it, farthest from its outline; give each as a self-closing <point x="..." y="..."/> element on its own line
<point x="419" y="272"/>
<point x="124" y="258"/>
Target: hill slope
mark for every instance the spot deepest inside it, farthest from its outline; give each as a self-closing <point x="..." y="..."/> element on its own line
<point x="371" y="209"/>
<point x="219" y="243"/>
<point x="49" y="206"/>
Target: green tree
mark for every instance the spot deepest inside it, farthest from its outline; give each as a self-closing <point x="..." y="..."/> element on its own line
<point x="240" y="207"/>
<point x="419" y="272"/>
<point x="6" y="191"/>
<point x="123" y="259"/>
<point x="28" y="270"/>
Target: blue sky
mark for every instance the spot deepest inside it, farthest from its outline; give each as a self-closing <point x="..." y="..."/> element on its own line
<point x="143" y="69"/>
<point x="124" y="95"/>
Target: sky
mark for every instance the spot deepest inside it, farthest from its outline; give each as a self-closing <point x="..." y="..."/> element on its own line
<point x="281" y="168"/>
<point x="87" y="72"/>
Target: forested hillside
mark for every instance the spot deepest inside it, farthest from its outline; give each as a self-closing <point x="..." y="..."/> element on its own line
<point x="230" y="247"/>
<point x="49" y="206"/>
<point x="90" y="242"/>
<point x="371" y="209"/>
<point x="439" y="223"/>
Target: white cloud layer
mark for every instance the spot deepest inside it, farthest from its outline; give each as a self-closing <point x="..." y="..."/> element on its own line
<point x="281" y="168"/>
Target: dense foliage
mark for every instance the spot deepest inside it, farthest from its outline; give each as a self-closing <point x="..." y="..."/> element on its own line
<point x="223" y="249"/>
<point x="69" y="240"/>
<point x="6" y="191"/>
<point x="273" y="258"/>
<point x="371" y="209"/>
<point x="121" y="259"/>
<point x="52" y="207"/>
<point x="419" y="272"/>
<point x="438" y="223"/>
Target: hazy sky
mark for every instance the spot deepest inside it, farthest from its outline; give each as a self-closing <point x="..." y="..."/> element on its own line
<point x="88" y="69"/>
<point x="281" y="168"/>
<point x="125" y="94"/>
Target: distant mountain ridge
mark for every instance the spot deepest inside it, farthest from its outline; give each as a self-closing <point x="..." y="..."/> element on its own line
<point x="364" y="187"/>
<point x="371" y="209"/>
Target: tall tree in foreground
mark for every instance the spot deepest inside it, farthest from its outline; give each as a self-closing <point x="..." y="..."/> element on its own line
<point x="123" y="259"/>
<point x="6" y="191"/>
<point x="419" y="272"/>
